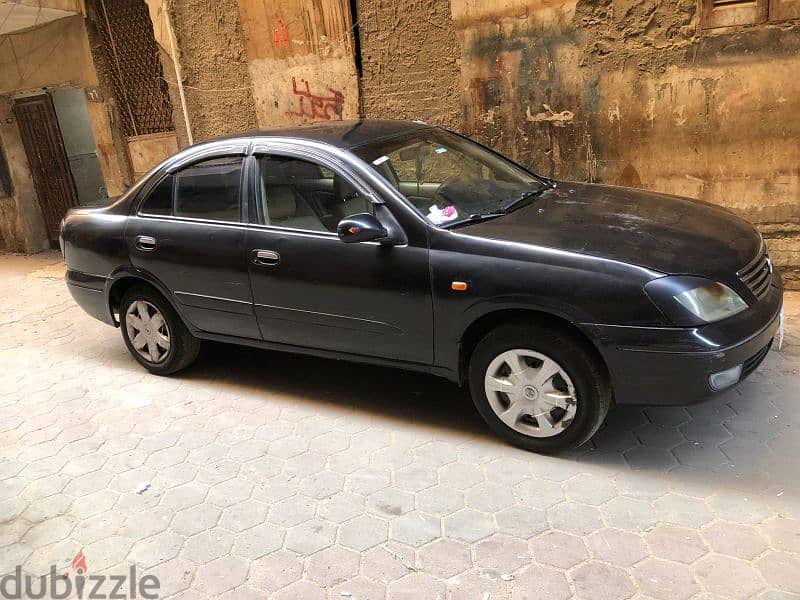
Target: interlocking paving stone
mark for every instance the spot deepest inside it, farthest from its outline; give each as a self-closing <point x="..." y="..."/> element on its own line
<point x="572" y="517"/>
<point x="363" y="532"/>
<point x="416" y="528"/>
<point x="309" y="537"/>
<point x="621" y="548"/>
<point x="599" y="581"/>
<point x="674" y="543"/>
<point x="782" y="570"/>
<point x="665" y="580"/>
<point x="276" y="570"/>
<point x="468" y="525"/>
<point x="332" y="566"/>
<point x="734" y="539"/>
<point x="540" y="583"/>
<point x="270" y="478"/>
<point x="559" y="549"/>
<point x="445" y="558"/>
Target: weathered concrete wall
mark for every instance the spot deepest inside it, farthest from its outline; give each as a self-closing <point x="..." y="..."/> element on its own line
<point x="634" y="92"/>
<point x="410" y="61"/>
<point x="211" y="51"/>
<point x="53" y="55"/>
<point x="300" y="58"/>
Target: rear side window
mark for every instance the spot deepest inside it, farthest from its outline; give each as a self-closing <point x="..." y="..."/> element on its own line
<point x="159" y="202"/>
<point x="209" y="190"/>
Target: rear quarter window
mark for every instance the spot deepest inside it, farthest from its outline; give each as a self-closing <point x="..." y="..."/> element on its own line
<point x="159" y="201"/>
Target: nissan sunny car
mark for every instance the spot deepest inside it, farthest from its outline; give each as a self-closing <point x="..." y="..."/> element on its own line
<point x="407" y="245"/>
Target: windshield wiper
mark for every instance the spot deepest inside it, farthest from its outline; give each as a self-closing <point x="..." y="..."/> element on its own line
<point x="503" y="210"/>
<point x="474" y="218"/>
<point x="526" y="196"/>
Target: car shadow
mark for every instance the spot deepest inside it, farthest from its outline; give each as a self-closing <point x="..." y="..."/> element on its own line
<point x="386" y="393"/>
<point x="651" y="442"/>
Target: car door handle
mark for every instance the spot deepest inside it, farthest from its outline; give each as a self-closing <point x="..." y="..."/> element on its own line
<point x="146" y="243"/>
<point x="266" y="258"/>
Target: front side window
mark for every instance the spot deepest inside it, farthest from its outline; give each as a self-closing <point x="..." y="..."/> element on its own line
<point x="447" y="177"/>
<point x="301" y="194"/>
<point x="209" y="190"/>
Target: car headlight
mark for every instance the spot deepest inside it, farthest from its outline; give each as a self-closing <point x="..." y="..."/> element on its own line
<point x="690" y="301"/>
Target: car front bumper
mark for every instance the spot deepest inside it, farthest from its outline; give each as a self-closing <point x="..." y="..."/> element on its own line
<point x="672" y="366"/>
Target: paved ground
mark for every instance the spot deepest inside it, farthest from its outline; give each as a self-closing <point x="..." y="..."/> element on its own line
<point x="302" y="478"/>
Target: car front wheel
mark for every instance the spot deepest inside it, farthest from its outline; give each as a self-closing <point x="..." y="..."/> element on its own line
<point x="154" y="333"/>
<point x="538" y="387"/>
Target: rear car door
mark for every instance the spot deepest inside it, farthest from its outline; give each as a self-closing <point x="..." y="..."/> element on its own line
<point x="311" y="289"/>
<point x="189" y="234"/>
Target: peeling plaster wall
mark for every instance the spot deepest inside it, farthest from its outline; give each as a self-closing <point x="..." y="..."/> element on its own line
<point x="633" y="92"/>
<point x="300" y="59"/>
<point x="411" y="61"/>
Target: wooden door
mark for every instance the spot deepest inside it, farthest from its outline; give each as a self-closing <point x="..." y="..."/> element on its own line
<point x="47" y="158"/>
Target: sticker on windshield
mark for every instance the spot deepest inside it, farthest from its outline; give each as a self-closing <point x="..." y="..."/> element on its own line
<point x="440" y="150"/>
<point x="380" y="160"/>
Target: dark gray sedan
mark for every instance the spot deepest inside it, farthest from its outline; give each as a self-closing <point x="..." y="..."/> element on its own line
<point x="402" y="244"/>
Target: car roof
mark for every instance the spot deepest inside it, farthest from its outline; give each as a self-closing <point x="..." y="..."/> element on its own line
<point x="343" y="134"/>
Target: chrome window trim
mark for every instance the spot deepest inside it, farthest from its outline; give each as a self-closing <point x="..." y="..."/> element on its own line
<point x="210" y="150"/>
<point x="293" y="230"/>
<point x="238" y="224"/>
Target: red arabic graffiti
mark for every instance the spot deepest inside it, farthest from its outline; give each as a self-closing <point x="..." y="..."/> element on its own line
<point x="280" y="36"/>
<point x="317" y="107"/>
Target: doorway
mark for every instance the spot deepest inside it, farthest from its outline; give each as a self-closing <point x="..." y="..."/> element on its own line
<point x="44" y="147"/>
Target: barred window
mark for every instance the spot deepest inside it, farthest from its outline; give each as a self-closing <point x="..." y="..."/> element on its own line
<point x="131" y="54"/>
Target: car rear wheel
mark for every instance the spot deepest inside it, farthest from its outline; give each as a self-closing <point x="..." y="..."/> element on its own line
<point x="154" y="333"/>
<point x="538" y="387"/>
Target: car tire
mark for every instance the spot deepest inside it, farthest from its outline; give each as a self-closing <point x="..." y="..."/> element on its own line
<point x="505" y="392"/>
<point x="183" y="347"/>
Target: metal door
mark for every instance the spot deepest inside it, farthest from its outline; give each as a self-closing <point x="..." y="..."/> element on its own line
<point x="47" y="158"/>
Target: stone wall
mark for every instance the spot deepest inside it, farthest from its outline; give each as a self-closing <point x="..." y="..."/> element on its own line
<point x="410" y="58"/>
<point x="637" y="93"/>
<point x="212" y="56"/>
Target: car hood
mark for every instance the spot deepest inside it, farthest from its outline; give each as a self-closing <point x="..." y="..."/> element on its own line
<point x="665" y="233"/>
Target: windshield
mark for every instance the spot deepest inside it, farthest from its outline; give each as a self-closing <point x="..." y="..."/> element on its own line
<point x="447" y="177"/>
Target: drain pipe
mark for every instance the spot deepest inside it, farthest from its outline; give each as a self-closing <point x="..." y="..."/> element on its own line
<point x="178" y="75"/>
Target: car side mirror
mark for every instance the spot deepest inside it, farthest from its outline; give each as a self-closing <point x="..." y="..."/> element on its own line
<point x="362" y="227"/>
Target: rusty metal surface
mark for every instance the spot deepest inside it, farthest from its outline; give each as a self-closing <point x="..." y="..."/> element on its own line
<point x="130" y="50"/>
<point x="47" y="158"/>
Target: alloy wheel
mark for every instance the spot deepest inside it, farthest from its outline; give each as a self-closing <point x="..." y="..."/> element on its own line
<point x="148" y="331"/>
<point x="530" y="392"/>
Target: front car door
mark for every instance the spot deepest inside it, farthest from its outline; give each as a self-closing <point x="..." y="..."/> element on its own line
<point x="189" y="235"/>
<point x="311" y="289"/>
